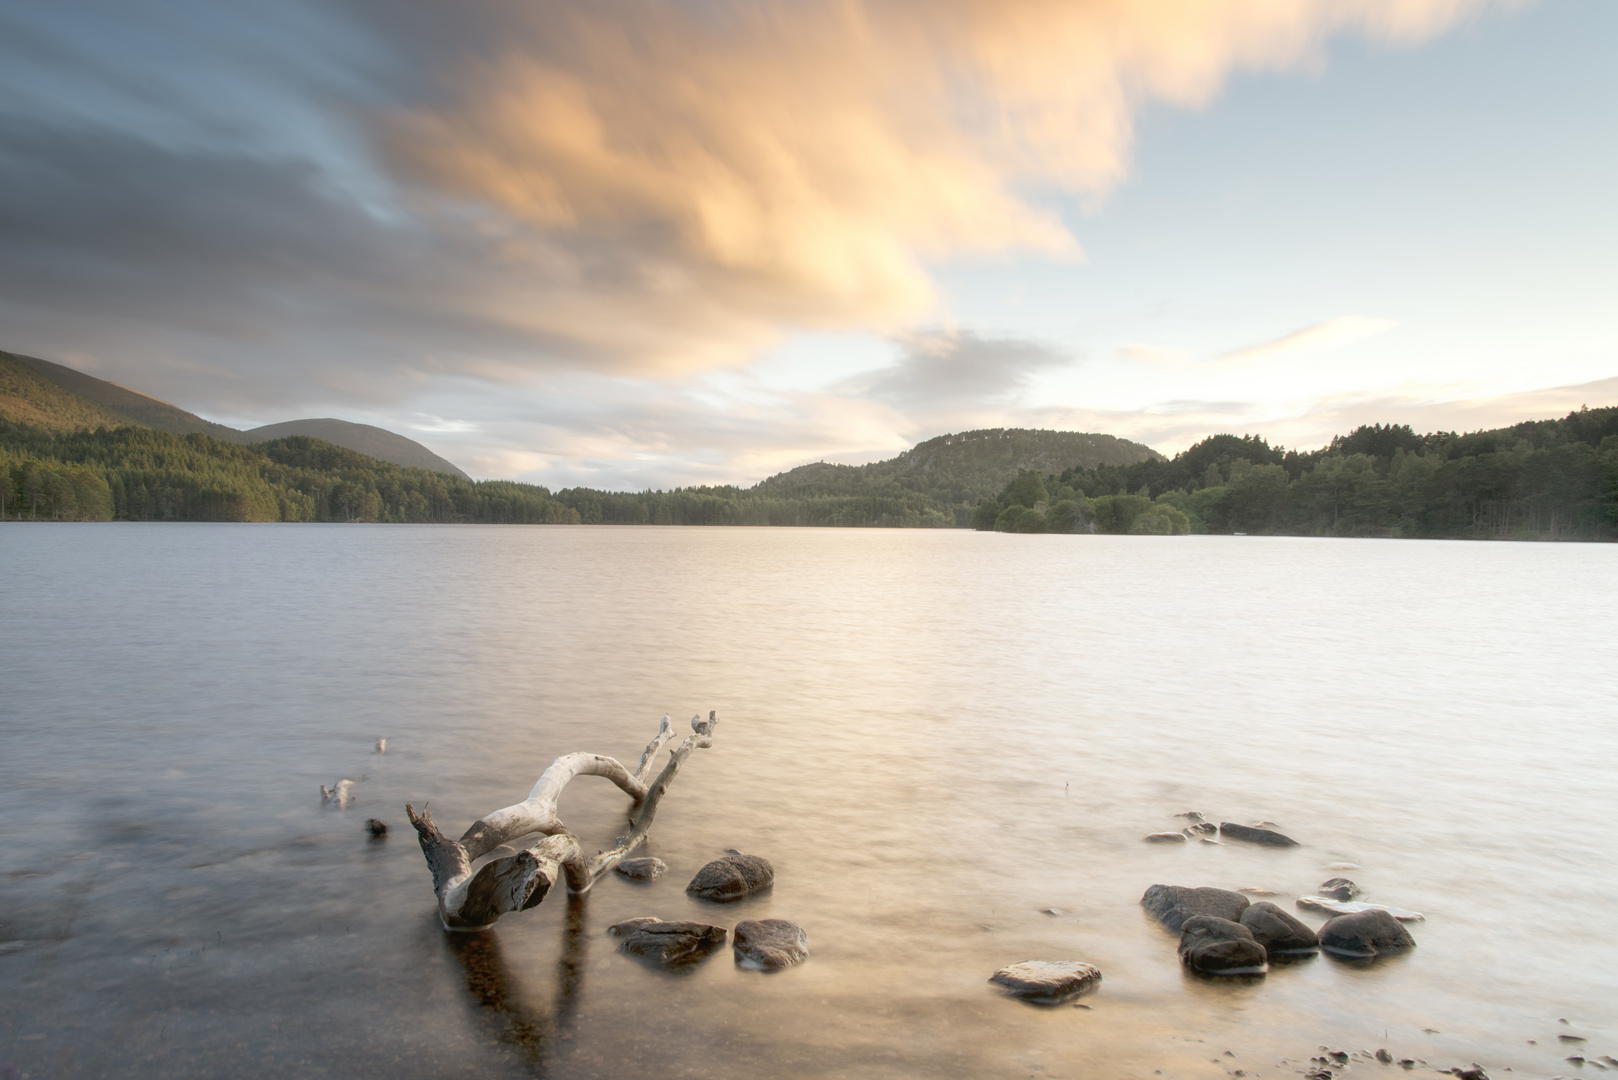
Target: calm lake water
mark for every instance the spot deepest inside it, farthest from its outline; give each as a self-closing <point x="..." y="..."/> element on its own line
<point x="934" y="736"/>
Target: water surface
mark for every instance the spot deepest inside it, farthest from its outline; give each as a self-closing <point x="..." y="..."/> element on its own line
<point x="934" y="736"/>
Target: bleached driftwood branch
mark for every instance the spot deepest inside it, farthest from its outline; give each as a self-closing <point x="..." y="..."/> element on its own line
<point x="488" y="872"/>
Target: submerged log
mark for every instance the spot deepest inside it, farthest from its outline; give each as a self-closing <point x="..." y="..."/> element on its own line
<point x="499" y="865"/>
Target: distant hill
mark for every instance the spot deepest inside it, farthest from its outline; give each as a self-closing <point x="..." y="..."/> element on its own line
<point x="54" y="397"/>
<point x="132" y="406"/>
<point x="371" y="441"/>
<point x="934" y="484"/>
<point x="964" y="467"/>
<point x="27" y="397"/>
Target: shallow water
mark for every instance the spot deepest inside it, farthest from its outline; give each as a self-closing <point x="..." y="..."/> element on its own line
<point x="934" y="736"/>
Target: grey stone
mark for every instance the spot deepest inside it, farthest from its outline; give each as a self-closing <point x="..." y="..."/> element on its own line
<point x="1164" y="838"/>
<point x="1215" y="946"/>
<point x="1365" y="933"/>
<point x="732" y="877"/>
<point x="1192" y="815"/>
<point x="1340" y="888"/>
<point x="646" y="868"/>
<point x="1279" y="931"/>
<point x="769" y="944"/>
<point x="1254" y="835"/>
<point x="669" y="943"/>
<point x="1048" y="981"/>
<point x="1171" y="905"/>
<point x="1202" y="828"/>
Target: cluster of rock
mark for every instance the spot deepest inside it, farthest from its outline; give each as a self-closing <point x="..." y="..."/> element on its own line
<point x="763" y="944"/>
<point x="1223" y="933"/>
<point x="1209" y="833"/>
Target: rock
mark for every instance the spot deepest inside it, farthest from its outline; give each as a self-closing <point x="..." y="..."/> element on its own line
<point x="1474" y="1073"/>
<point x="1384" y="1057"/>
<point x="1164" y="838"/>
<point x="1215" y="946"/>
<point x="1171" y="905"/>
<point x="769" y="944"/>
<point x="1254" y="890"/>
<point x="376" y="828"/>
<point x="1354" y="907"/>
<point x="732" y="877"/>
<point x="1365" y="933"/>
<point x="1277" y="930"/>
<point x="669" y="943"/>
<point x="1340" y="888"/>
<point x="1192" y="815"/>
<point x="1254" y="835"/>
<point x="1048" y="981"/>
<point x="1202" y="828"/>
<point x="645" y="868"/>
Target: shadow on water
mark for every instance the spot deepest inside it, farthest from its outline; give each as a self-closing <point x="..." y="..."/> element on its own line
<point x="534" y="1031"/>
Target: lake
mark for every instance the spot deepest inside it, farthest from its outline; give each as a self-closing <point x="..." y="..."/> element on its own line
<point x="949" y="744"/>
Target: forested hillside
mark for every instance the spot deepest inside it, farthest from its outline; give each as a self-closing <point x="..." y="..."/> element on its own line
<point x="1541" y="479"/>
<point x="142" y="474"/>
<point x="932" y="485"/>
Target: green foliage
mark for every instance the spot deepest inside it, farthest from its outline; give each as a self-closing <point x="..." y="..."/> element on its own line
<point x="1551" y="479"/>
<point x="143" y="474"/>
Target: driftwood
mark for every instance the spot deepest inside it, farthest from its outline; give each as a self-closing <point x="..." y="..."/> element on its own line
<point x="491" y="870"/>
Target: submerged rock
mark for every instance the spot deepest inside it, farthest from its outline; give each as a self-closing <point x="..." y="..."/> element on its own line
<point x="646" y="868"/>
<point x="669" y="943"/>
<point x="1364" y="934"/>
<point x="1340" y="888"/>
<point x="1215" y="946"/>
<point x="1255" y="835"/>
<point x="1048" y="981"/>
<point x="1171" y="905"/>
<point x="770" y="944"/>
<point x="1202" y="828"/>
<point x="1279" y="931"/>
<point x="376" y="827"/>
<point x="1164" y="838"/>
<point x="1354" y="907"/>
<point x="1192" y="815"/>
<point x="732" y="877"/>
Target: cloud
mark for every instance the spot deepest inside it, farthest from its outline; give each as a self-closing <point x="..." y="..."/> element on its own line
<point x="725" y="169"/>
<point x="955" y="369"/>
<point x="1344" y="330"/>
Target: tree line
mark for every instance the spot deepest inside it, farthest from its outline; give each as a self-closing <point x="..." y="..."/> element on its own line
<point x="144" y="474"/>
<point x="1541" y="479"/>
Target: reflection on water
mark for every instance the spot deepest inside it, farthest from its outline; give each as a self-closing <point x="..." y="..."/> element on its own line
<point x="532" y="1030"/>
<point x="948" y="744"/>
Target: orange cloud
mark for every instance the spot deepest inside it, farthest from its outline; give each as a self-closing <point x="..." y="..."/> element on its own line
<point x="673" y="184"/>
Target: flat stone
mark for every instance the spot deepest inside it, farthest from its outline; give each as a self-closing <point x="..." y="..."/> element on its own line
<point x="732" y="877"/>
<point x="1216" y="946"/>
<point x="1048" y="981"/>
<point x="1354" y="907"/>
<point x="1365" y="934"/>
<point x="669" y="943"/>
<point x="1279" y="931"/>
<point x="1164" y="838"/>
<point x="1171" y="905"/>
<point x="1340" y="888"/>
<point x="1254" y="835"/>
<point x="769" y="944"/>
<point x="646" y="868"/>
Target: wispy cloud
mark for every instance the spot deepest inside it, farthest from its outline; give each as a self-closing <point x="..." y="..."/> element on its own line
<point x="1343" y="330"/>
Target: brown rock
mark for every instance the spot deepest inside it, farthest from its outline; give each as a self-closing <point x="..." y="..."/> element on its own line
<point x="669" y="943"/>
<point x="732" y="877"/>
<point x="770" y="944"/>
<point x="1048" y="981"/>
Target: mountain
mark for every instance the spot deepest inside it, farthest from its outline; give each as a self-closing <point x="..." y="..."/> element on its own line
<point x="58" y="398"/>
<point x="27" y="397"/>
<point x="371" y="441"/>
<point x="132" y="406"/>
<point x="964" y="467"/>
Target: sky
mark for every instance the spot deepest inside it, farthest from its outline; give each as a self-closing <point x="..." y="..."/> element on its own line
<point x="656" y="243"/>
